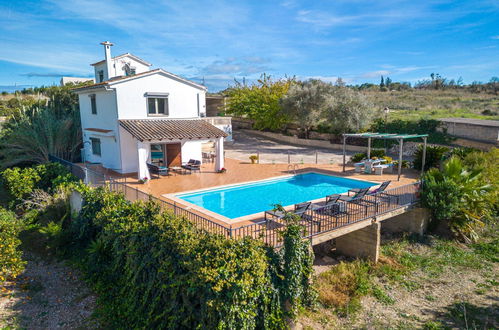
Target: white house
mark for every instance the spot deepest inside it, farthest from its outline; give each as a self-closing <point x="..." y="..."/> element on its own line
<point x="133" y="115"/>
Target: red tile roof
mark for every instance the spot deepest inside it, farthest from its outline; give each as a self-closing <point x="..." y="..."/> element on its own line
<point x="170" y="129"/>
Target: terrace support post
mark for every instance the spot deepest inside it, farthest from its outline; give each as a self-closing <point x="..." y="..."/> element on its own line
<point x="368" y="148"/>
<point x="424" y="156"/>
<point x="344" y="151"/>
<point x="362" y="243"/>
<point x="219" y="151"/>
<point x="401" y="148"/>
<point x="143" y="153"/>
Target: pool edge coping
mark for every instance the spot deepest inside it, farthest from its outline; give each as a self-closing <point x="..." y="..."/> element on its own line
<point x="249" y="217"/>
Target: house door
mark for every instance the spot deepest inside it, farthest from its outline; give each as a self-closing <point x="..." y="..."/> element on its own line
<point x="173" y="154"/>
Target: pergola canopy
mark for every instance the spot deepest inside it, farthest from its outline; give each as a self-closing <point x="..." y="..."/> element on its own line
<point x="390" y="136"/>
<point x="386" y="136"/>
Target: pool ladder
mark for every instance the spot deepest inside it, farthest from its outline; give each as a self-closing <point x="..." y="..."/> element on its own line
<point x="292" y="167"/>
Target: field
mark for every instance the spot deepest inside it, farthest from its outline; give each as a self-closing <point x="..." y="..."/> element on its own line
<point x="433" y="104"/>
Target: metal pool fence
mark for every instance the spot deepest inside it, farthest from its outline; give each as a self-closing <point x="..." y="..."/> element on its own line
<point x="315" y="222"/>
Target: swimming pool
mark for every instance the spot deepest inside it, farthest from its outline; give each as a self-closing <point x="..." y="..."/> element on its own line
<point x="245" y="199"/>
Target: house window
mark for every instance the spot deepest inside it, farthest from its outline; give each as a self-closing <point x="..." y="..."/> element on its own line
<point x="96" y="150"/>
<point x="93" y="104"/>
<point x="157" y="106"/>
<point x="101" y="75"/>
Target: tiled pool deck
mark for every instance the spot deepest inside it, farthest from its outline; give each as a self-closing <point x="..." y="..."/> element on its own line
<point x="240" y="172"/>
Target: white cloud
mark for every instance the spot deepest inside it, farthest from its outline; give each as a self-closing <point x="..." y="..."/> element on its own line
<point x="374" y="74"/>
<point x="495" y="37"/>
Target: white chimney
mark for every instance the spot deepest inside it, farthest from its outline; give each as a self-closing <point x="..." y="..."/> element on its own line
<point x="109" y="60"/>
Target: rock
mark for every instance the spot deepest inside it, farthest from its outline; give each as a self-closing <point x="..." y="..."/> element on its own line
<point x="328" y="260"/>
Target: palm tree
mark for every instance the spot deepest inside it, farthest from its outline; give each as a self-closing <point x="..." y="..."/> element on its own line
<point x="457" y="195"/>
<point x="34" y="133"/>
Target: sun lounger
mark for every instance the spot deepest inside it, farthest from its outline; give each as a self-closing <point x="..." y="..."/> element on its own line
<point x="381" y="188"/>
<point x="300" y="210"/>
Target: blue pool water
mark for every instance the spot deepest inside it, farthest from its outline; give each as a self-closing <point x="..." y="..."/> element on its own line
<point x="246" y="199"/>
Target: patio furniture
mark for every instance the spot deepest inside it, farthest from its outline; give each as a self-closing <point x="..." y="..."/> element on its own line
<point x="381" y="188"/>
<point x="193" y="165"/>
<point x="358" y="167"/>
<point x="300" y="210"/>
<point x="180" y="170"/>
<point x="158" y="170"/>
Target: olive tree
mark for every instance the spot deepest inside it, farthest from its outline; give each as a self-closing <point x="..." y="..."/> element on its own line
<point x="305" y="102"/>
<point x="346" y="110"/>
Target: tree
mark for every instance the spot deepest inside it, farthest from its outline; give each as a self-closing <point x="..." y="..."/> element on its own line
<point x="260" y="102"/>
<point x="347" y="110"/>
<point x="388" y="82"/>
<point x="382" y="83"/>
<point x="305" y="101"/>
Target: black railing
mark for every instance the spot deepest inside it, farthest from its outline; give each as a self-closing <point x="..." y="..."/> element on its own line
<point x="314" y="223"/>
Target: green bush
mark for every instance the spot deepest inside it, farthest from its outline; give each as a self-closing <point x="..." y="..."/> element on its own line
<point x="421" y="126"/>
<point x="434" y="156"/>
<point x="11" y="264"/>
<point x="156" y="270"/>
<point x="20" y="183"/>
<point x="378" y="153"/>
<point x="458" y="196"/>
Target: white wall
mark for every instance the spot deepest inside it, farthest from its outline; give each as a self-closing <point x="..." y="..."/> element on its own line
<point x="104" y="119"/>
<point x="182" y="99"/>
<point x="192" y="150"/>
<point x="129" y="153"/>
<point x="118" y="67"/>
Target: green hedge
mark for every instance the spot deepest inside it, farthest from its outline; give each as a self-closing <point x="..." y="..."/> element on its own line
<point x="156" y="270"/>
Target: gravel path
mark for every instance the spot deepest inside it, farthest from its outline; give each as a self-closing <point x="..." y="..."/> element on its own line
<point x="272" y="152"/>
<point x="48" y="295"/>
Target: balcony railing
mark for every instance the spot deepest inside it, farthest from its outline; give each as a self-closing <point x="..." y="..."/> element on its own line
<point x="268" y="230"/>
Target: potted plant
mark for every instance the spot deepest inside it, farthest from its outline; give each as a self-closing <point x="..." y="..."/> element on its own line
<point x="222" y="170"/>
<point x="253" y="158"/>
<point x="144" y="180"/>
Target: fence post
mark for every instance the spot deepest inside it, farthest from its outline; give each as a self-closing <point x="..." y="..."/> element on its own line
<point x="316" y="157"/>
<point x="289" y="158"/>
<point x="136" y="193"/>
<point x="258" y="157"/>
<point x="230" y="231"/>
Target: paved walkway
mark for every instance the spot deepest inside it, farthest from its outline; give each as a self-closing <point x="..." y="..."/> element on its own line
<point x="272" y="152"/>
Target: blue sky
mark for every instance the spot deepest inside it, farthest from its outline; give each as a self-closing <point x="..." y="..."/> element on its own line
<point x="221" y="40"/>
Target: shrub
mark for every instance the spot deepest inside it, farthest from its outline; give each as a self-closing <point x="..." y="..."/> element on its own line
<point x="157" y="270"/>
<point x="434" y="156"/>
<point x="422" y="126"/>
<point x="21" y="183"/>
<point x="11" y="264"/>
<point x="456" y="195"/>
<point x="378" y="153"/>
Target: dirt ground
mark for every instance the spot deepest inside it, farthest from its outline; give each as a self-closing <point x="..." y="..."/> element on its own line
<point x="48" y="295"/>
<point x="453" y="299"/>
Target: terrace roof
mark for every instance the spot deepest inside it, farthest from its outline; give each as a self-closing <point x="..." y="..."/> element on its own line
<point x="386" y="136"/>
<point x="390" y="136"/>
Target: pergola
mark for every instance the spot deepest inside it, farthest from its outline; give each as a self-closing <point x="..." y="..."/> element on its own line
<point x="386" y="136"/>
